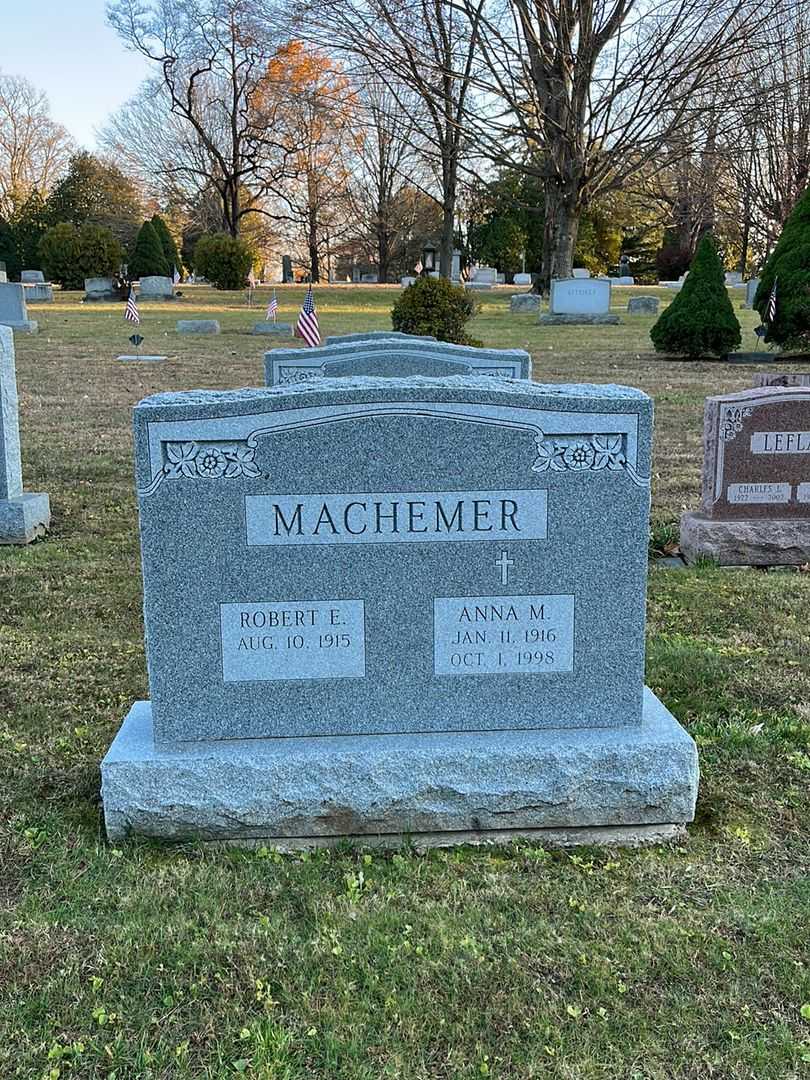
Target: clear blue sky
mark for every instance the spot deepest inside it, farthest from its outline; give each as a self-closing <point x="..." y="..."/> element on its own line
<point x="66" y="48"/>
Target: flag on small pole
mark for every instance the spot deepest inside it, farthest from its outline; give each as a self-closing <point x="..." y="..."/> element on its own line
<point x="251" y="282"/>
<point x="176" y="276"/>
<point x="131" y="313"/>
<point x="307" y="326"/>
<point x="770" y="313"/>
<point x="272" y="308"/>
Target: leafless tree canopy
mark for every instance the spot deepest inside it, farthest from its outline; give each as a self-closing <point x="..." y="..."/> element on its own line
<point x="34" y="150"/>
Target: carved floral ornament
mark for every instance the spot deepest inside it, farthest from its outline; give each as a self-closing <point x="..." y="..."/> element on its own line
<point x="212" y="460"/>
<point x="731" y="422"/>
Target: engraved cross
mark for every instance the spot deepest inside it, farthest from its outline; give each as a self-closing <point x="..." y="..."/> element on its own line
<point x="504" y="563"/>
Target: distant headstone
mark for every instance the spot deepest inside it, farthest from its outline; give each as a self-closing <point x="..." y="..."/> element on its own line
<point x="369" y="279"/>
<point x="32" y="277"/>
<point x="577" y="300"/>
<point x="734" y="278"/>
<point x="483" y="278"/>
<point x="407" y="280"/>
<point x="97" y="289"/>
<point x="624" y="280"/>
<point x="378" y="608"/>
<point x="524" y="302"/>
<point x="756" y="480"/>
<point x="394" y="357"/>
<point x="455" y="268"/>
<point x="156" y="288"/>
<point x="751" y="291"/>
<point x="39" y="293"/>
<point x="624" y="266"/>
<point x="277" y="329"/>
<point x="376" y="335"/>
<point x="23" y="517"/>
<point x="522" y="279"/>
<point x="198" y="326"/>
<point x="3" y="277"/>
<point x="580" y="272"/>
<point x="642" y="305"/>
<point x="13" y="312"/>
<point x="781" y="378"/>
<point x="287" y="276"/>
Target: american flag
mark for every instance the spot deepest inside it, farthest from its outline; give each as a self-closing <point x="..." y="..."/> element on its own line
<point x="272" y="308"/>
<point x="176" y="276"/>
<point x="307" y="325"/>
<point x="770" y="314"/>
<point x="131" y="313"/>
<point x="419" y="268"/>
<point x="251" y="279"/>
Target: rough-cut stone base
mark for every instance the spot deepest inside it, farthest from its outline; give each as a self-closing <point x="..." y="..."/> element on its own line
<point x="762" y="542"/>
<point x="579" y="320"/>
<point x="279" y="329"/>
<point x="30" y="326"/>
<point x="25" y="518"/>
<point x="461" y="784"/>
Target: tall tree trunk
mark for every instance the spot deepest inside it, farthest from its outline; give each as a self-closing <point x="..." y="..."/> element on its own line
<point x="312" y="241"/>
<point x="383" y="246"/>
<point x="560" y="232"/>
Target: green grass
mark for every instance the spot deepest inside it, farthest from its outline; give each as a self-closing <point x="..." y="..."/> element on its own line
<point x="680" y="961"/>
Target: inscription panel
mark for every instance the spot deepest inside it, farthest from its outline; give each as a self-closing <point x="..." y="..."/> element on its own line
<point x="396" y="517"/>
<point x="313" y="639"/>
<point x="503" y="635"/>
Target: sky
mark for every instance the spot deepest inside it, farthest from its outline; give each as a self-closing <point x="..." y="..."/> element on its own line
<point x="65" y="48"/>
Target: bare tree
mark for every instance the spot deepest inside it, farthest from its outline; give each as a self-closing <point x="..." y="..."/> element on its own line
<point x="34" y="150"/>
<point x="384" y="162"/>
<point x="423" y="52"/>
<point x="213" y="57"/>
<point x="586" y="93"/>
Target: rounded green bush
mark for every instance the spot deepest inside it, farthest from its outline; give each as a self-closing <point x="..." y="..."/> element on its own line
<point x="147" y="259"/>
<point x="434" y="306"/>
<point x="789" y="267"/>
<point x="224" y="260"/>
<point x="700" y="319"/>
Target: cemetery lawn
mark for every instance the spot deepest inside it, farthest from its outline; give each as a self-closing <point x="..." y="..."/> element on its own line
<point x="687" y="960"/>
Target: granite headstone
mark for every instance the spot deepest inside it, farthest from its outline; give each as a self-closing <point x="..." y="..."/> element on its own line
<point x="13" y="311"/>
<point x="393" y="357"/>
<point x="379" y="607"/>
<point x="755" y="506"/>
<point x="579" y="300"/>
<point x="23" y="517"/>
<point x="156" y="288"/>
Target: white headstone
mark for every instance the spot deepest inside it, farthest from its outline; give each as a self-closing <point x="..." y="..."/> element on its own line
<point x="580" y="272"/>
<point x="575" y="296"/>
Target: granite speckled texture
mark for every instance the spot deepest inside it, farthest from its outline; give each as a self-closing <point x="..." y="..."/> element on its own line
<point x="274" y="329"/>
<point x="524" y="302"/>
<point x="155" y="287"/>
<point x="392" y="357"/>
<point x="23" y="517"/>
<point x="212" y="465"/>
<point x="761" y="542"/>
<point x="578" y="320"/>
<point x="642" y="305"/>
<point x="471" y="784"/>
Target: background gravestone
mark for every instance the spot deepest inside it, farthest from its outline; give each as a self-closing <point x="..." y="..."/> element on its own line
<point x="378" y="607"/>
<point x="23" y="517"/>
<point x="156" y="287"/>
<point x="579" y="300"/>
<point x="13" y="312"/>
<point x="394" y="356"/>
<point x="756" y="480"/>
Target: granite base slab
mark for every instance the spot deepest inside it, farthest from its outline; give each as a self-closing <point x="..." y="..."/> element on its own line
<point x="376" y="786"/>
<point x="578" y="320"/>
<point x="761" y="542"/>
<point x="24" y="518"/>
<point x="29" y="326"/>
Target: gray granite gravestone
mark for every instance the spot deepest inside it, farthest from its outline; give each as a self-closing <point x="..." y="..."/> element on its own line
<point x="39" y="293"/>
<point x="520" y="302"/>
<point x="579" y="301"/>
<point x="97" y="289"/>
<point x="376" y="335"/>
<point x="750" y="292"/>
<point x="393" y="357"/>
<point x="198" y="326"/>
<point x="642" y="305"/>
<point x="273" y="329"/>
<point x="13" y="312"/>
<point x="23" y="517"/>
<point x="156" y="288"/>
<point x="755" y="508"/>
<point x="32" y="277"/>
<point x="379" y="607"/>
<point x="782" y="378"/>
